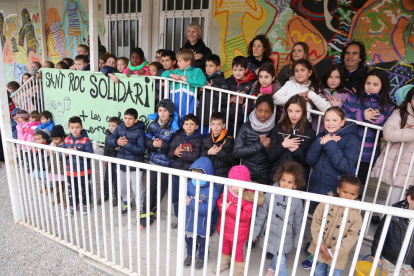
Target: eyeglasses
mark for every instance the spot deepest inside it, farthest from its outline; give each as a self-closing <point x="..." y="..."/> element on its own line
<point x="156" y="57"/>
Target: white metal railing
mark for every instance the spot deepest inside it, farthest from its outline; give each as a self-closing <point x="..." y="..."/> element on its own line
<point x="107" y="237"/>
<point x="30" y="95"/>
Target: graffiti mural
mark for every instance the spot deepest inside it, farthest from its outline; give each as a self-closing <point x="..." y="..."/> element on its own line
<point x="386" y="27"/>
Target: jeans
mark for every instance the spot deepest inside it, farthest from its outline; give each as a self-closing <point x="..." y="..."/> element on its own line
<point x="323" y="269"/>
<point x="175" y="193"/>
<point x="282" y="268"/>
<point x="114" y="181"/>
<point x="79" y="183"/>
<point x="201" y="246"/>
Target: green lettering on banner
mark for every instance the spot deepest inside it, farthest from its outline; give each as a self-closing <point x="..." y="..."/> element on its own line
<point x="95" y="98"/>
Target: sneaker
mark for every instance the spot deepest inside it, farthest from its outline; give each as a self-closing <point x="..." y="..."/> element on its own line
<point x="105" y="200"/>
<point x="143" y="221"/>
<point x="153" y="217"/>
<point x="187" y="261"/>
<point x="124" y="209"/>
<point x="253" y="247"/>
<point x="269" y="256"/>
<point x="375" y="220"/>
<point x="270" y="272"/>
<point x="174" y="222"/>
<point x="199" y="263"/>
<point x="307" y="264"/>
<point x="115" y="202"/>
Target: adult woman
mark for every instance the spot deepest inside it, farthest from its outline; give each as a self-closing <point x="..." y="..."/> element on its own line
<point x="195" y="43"/>
<point x="300" y="50"/>
<point x="259" y="53"/>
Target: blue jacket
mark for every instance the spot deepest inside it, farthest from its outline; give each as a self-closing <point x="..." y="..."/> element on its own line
<point x="204" y="164"/>
<point x="166" y="134"/>
<point x="48" y="125"/>
<point x="332" y="160"/>
<point x="108" y="69"/>
<point x="13" y="122"/>
<point x="82" y="143"/>
<point x="135" y="148"/>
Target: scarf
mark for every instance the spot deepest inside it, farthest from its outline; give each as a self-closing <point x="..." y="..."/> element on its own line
<point x="220" y="137"/>
<point x="266" y="90"/>
<point x="261" y="127"/>
<point x="138" y="67"/>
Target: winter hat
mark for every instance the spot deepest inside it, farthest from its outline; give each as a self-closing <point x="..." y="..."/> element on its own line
<point x="45" y="134"/>
<point x="14" y="111"/>
<point x="57" y="131"/>
<point x="240" y="172"/>
<point x="167" y="104"/>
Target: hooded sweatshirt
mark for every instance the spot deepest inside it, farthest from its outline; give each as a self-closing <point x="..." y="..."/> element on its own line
<point x="48" y="125"/>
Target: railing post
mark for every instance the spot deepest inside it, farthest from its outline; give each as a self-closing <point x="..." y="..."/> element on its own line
<point x="181" y="225"/>
<point x="6" y="132"/>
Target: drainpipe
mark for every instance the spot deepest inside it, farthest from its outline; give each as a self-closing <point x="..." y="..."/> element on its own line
<point x="41" y="4"/>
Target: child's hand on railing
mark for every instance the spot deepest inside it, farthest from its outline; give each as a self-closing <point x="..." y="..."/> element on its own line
<point x="183" y="78"/>
<point x="174" y="76"/>
<point x="129" y="73"/>
<point x="141" y="72"/>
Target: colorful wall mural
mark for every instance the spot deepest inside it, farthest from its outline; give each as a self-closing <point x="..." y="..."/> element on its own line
<point x="20" y="36"/>
<point x="384" y="26"/>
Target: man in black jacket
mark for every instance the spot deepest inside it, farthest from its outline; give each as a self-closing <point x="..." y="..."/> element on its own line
<point x="353" y="57"/>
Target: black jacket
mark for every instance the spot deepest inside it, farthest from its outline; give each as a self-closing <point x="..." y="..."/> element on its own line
<point x="252" y="152"/>
<point x="199" y="48"/>
<point x="108" y="151"/>
<point x="278" y="155"/>
<point x="354" y="79"/>
<point x="223" y="161"/>
<point x="394" y="239"/>
<point x="218" y="81"/>
<point x="187" y="157"/>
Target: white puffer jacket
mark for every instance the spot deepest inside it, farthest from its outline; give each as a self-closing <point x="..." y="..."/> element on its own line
<point x="396" y="135"/>
<point x="292" y="87"/>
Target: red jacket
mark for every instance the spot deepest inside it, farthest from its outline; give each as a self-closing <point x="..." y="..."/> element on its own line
<point x="231" y="212"/>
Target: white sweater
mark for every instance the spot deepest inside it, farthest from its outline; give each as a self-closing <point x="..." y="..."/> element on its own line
<point x="292" y="88"/>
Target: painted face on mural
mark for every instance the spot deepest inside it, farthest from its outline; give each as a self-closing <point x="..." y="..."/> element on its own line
<point x="373" y="85"/>
<point x="298" y="52"/>
<point x="352" y="57"/>
<point x="258" y="49"/>
<point x="334" y="80"/>
<point x="192" y="35"/>
<point x="302" y="74"/>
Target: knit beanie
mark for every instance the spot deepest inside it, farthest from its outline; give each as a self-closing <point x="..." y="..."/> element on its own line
<point x="167" y="104"/>
<point x="57" y="131"/>
<point x="240" y="172"/>
<point x="14" y="111"/>
<point x="45" y="134"/>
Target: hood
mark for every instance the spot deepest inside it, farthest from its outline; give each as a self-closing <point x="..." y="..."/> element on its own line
<point x="174" y="122"/>
<point x="248" y="195"/>
<point x="48" y="123"/>
<point x="194" y="135"/>
<point x="249" y="76"/>
<point x="204" y="164"/>
<point x="350" y="128"/>
<point x="296" y="82"/>
<point x="14" y="111"/>
<point x="82" y="134"/>
<point x="217" y="74"/>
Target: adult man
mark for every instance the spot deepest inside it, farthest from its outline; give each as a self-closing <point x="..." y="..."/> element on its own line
<point x="353" y="58"/>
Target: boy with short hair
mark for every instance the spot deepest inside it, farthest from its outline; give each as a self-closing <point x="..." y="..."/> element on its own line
<point x="168" y="61"/>
<point x="46" y="121"/>
<point x="241" y="81"/>
<point x="218" y="145"/>
<point x="111" y="152"/>
<point x="83" y="50"/>
<point x="12" y="87"/>
<point x="348" y="188"/>
<point x="185" y="148"/>
<point x="130" y="137"/>
<point x="187" y="73"/>
<point x="215" y="78"/>
<point x="81" y="63"/>
<point x="78" y="140"/>
<point x="158" y="55"/>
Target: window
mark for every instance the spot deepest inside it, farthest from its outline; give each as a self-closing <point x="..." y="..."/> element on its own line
<point x="123" y="23"/>
<point x="176" y="15"/>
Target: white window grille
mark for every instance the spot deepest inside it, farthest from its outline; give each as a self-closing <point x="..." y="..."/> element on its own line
<point x="176" y="15"/>
<point x="123" y="23"/>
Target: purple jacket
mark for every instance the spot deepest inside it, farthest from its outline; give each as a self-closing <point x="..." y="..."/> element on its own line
<point x="355" y="110"/>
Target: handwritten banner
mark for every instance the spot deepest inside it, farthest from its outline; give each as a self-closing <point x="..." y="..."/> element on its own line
<point x="95" y="98"/>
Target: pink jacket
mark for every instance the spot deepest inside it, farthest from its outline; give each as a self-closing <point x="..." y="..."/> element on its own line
<point x="145" y="68"/>
<point x="29" y="131"/>
<point x="19" y="128"/>
<point x="230" y="221"/>
<point x="393" y="133"/>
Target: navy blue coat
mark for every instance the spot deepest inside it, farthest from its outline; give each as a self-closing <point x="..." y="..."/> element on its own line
<point x="135" y="148"/>
<point x="332" y="160"/>
<point x="187" y="157"/>
<point x="204" y="164"/>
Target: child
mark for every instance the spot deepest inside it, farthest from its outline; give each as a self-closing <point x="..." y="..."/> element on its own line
<point x="372" y="105"/>
<point x="39" y="170"/>
<point x="130" y="137"/>
<point x="267" y="83"/>
<point x="111" y="152"/>
<point x="63" y="65"/>
<point x="102" y="60"/>
<point x="57" y="173"/>
<point x="46" y="121"/>
<point x="333" y="153"/>
<point x="242" y="82"/>
<point x="300" y="50"/>
<point x="81" y="63"/>
<point x="12" y="87"/>
<point x="110" y="68"/>
<point x="202" y="165"/>
<point x="158" y="138"/>
<point x="22" y="118"/>
<point x="253" y="142"/>
<point x="215" y="78"/>
<point x="288" y="176"/>
<point x="187" y="73"/>
<point x="304" y="83"/>
<point x="137" y="64"/>
<point x="78" y="140"/>
<point x="185" y="148"/>
<point x="229" y="209"/>
<point x="82" y="50"/>
<point x="13" y="112"/>
<point x="394" y="239"/>
<point x="169" y="62"/>
<point x="291" y="137"/>
<point x="31" y="127"/>
<point x="158" y="55"/>
<point x="48" y="64"/>
<point x="333" y="85"/>
<point x="218" y="145"/>
<point x="399" y="128"/>
<point x="121" y="64"/>
<point x="68" y="61"/>
<point x="348" y="188"/>
<point x="25" y="78"/>
<point x="154" y="67"/>
<point x="36" y="66"/>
